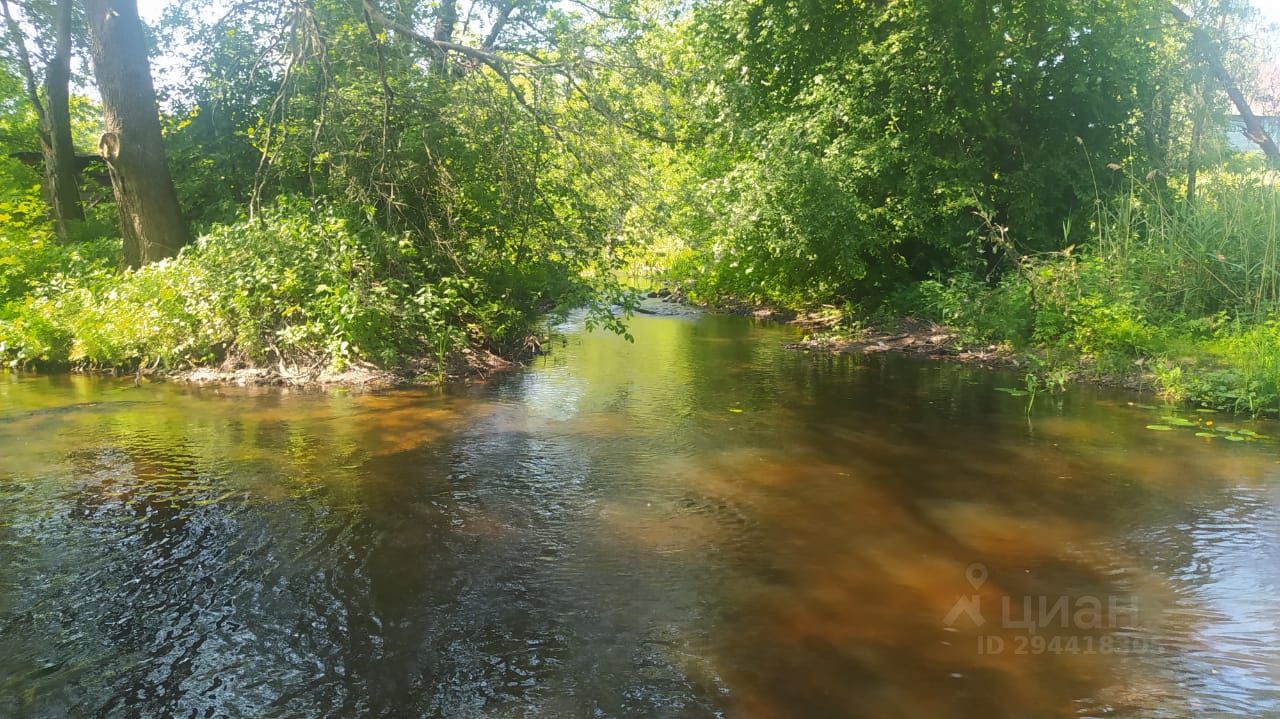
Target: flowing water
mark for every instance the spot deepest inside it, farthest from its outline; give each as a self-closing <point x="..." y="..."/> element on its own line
<point x="698" y="524"/>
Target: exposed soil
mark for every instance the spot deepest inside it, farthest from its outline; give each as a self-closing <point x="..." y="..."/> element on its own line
<point x="930" y="339"/>
<point x="472" y="365"/>
<point x="910" y="336"/>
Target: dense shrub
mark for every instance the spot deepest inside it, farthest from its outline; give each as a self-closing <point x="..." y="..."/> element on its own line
<point x="29" y="253"/>
<point x="297" y="285"/>
<point x="846" y="146"/>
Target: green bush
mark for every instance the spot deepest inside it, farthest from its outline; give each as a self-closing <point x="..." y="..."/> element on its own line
<point x="315" y="284"/>
<point x="982" y="313"/>
<point x="296" y="285"/>
<point x="29" y="252"/>
<point x="1239" y="370"/>
<point x="1188" y="291"/>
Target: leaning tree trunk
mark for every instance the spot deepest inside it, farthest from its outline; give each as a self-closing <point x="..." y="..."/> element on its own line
<point x="1253" y="128"/>
<point x="132" y="144"/>
<point x="53" y="116"/>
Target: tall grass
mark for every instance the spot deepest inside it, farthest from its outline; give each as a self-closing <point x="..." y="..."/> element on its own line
<point x="1201" y="278"/>
<point x="1186" y="290"/>
<point x="1217" y="254"/>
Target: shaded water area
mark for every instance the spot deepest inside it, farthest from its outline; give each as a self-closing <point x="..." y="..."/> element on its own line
<point x="698" y="524"/>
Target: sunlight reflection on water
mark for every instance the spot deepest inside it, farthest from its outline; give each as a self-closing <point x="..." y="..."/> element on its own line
<point x="697" y="524"/>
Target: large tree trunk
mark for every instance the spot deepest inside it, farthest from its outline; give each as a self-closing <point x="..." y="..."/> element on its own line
<point x="446" y="20"/>
<point x="60" y="161"/>
<point x="132" y="144"/>
<point x="61" y="176"/>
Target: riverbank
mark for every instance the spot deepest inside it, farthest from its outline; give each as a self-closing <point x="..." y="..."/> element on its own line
<point x="907" y="336"/>
<point x="472" y="364"/>
<point x="1231" y="370"/>
<point x="925" y="338"/>
<point x="1052" y="367"/>
<point x="299" y="296"/>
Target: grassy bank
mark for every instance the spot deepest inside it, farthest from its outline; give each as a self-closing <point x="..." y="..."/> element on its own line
<point x="1183" y="293"/>
<point x="310" y="291"/>
<point x="1179" y="296"/>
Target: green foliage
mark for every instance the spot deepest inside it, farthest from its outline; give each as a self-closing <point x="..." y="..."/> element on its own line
<point x="317" y="283"/>
<point x="33" y="261"/>
<point x="1238" y="369"/>
<point x="1187" y="292"/>
<point x="29" y="254"/>
<point x="447" y="204"/>
<point x="1003" y="313"/>
<point x="846" y="146"/>
<point x="296" y="285"/>
<point x="1218" y="254"/>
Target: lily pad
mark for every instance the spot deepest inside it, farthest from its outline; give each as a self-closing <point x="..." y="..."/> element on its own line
<point x="1206" y="410"/>
<point x="1012" y="391"/>
<point x="1210" y="435"/>
<point x="736" y="410"/>
<point x="1160" y="427"/>
<point x="1234" y="438"/>
<point x="1178" y="421"/>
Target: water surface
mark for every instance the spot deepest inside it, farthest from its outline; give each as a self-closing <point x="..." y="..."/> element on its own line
<point x="698" y="524"/>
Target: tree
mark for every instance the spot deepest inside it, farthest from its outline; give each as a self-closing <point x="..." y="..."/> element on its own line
<point x="53" y="114"/>
<point x="132" y="144"/>
<point x="854" y="147"/>
<point x="1212" y="53"/>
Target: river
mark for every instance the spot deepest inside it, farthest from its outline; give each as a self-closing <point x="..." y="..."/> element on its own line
<point x="698" y="524"/>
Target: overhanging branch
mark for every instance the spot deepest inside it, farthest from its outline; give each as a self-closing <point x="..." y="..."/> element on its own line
<point x="442" y="47"/>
